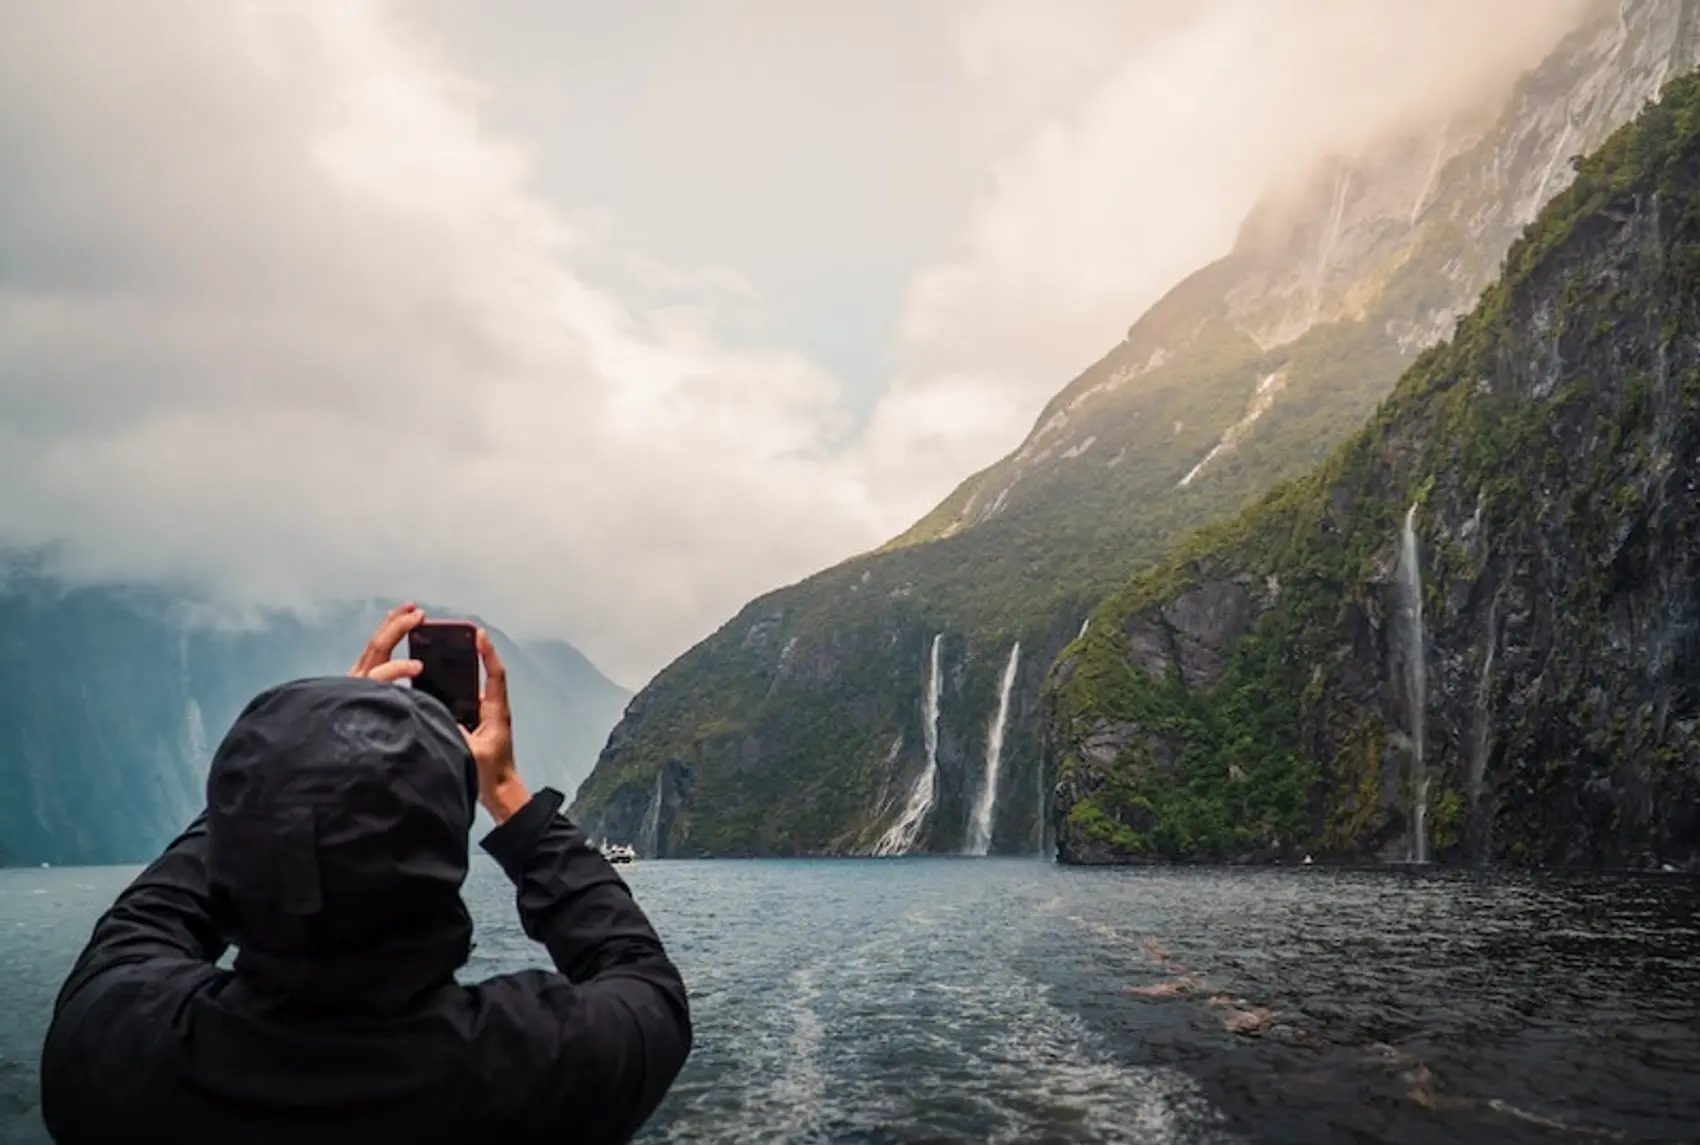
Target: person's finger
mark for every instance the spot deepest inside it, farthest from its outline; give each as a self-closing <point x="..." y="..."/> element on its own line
<point x="495" y="696"/>
<point x="392" y="670"/>
<point x="398" y="622"/>
<point x="371" y="655"/>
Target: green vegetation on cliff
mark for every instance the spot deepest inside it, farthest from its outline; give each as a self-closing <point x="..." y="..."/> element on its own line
<point x="1242" y="698"/>
<point x="797" y="728"/>
<point x="785" y="719"/>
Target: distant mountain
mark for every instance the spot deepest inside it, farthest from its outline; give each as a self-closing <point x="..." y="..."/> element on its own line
<point x="112" y="700"/>
<point x="1474" y="634"/>
<point x="806" y="724"/>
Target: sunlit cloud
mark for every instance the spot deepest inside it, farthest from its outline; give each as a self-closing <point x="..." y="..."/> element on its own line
<point x="285" y="311"/>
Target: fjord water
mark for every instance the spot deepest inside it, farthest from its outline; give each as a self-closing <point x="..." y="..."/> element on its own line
<point x="970" y="1000"/>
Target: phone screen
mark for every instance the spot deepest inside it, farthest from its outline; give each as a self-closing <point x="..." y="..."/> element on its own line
<point x="449" y="652"/>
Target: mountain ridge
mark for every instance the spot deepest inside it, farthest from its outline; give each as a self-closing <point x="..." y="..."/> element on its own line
<point x="798" y="726"/>
<point x="112" y="699"/>
<point x="1471" y="634"/>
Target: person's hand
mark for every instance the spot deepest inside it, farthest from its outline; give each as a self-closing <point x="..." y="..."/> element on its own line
<point x="374" y="662"/>
<point x="500" y="788"/>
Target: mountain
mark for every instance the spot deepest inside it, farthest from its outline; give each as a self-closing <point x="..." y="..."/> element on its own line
<point x="1474" y="633"/>
<point x="113" y="698"/>
<point x="806" y="723"/>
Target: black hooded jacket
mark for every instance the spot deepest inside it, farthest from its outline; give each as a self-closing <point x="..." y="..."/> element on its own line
<point x="331" y="855"/>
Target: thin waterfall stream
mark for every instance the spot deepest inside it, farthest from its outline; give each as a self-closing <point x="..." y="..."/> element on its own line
<point x="985" y="807"/>
<point x="1416" y="679"/>
<point x="900" y="837"/>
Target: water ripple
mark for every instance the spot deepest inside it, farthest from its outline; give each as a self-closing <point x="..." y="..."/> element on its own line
<point x="902" y="1002"/>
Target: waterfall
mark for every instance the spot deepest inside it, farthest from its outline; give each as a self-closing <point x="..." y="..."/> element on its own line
<point x="1428" y="182"/>
<point x="1039" y="770"/>
<point x="187" y="782"/>
<point x="1084" y="625"/>
<point x="1481" y="741"/>
<point x="1533" y="206"/>
<point x="1261" y="400"/>
<point x="1416" y="677"/>
<point x="1340" y="189"/>
<point x="649" y="836"/>
<point x="901" y="836"/>
<point x="980" y="824"/>
<point x="194" y="723"/>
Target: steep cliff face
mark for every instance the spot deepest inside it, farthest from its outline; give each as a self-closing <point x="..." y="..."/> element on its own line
<point x="799" y="726"/>
<point x="112" y="701"/>
<point x="1474" y="634"/>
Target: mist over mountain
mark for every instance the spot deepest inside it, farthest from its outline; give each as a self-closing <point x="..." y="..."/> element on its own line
<point x="200" y="355"/>
<point x="808" y="723"/>
<point x="676" y="303"/>
<point x="1249" y="448"/>
<point x="112" y="700"/>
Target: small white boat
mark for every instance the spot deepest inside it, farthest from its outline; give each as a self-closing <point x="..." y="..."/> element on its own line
<point x="618" y="853"/>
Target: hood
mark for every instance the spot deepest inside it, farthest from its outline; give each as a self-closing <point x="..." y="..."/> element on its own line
<point x="338" y="816"/>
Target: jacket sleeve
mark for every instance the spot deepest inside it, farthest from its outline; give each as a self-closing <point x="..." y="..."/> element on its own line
<point x="156" y="942"/>
<point x="164" y="915"/>
<point x="626" y="1022"/>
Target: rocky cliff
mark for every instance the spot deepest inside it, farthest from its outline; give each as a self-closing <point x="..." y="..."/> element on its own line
<point x="112" y="700"/>
<point x="801" y="726"/>
<point x="1474" y="633"/>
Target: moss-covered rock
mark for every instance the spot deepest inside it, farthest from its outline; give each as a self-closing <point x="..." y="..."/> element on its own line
<point x="1551" y="450"/>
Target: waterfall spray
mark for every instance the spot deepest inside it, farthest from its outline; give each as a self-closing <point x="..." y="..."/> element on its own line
<point x="1416" y="678"/>
<point x="985" y="807"/>
<point x="901" y="836"/>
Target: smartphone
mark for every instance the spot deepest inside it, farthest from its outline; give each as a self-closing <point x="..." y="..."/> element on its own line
<point x="448" y="649"/>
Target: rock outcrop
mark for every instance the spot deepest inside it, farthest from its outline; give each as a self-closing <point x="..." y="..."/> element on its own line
<point x="1543" y="464"/>
<point x="800" y="720"/>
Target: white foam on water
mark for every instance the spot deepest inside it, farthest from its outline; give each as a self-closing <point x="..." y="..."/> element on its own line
<point x="918" y="1030"/>
<point x="801" y="1083"/>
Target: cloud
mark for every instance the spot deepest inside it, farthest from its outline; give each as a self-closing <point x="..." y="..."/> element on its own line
<point x="276" y="312"/>
<point x="1197" y="111"/>
<point x="282" y="312"/>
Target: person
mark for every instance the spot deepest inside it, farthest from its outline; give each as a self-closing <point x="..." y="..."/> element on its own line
<point x="330" y="855"/>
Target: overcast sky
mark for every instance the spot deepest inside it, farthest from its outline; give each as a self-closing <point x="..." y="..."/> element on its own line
<point x="604" y="318"/>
